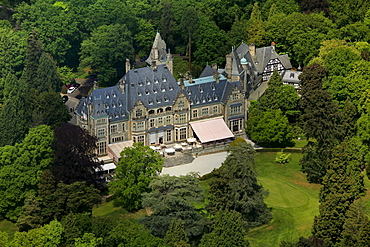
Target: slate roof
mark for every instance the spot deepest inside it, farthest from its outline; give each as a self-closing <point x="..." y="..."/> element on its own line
<point x="207" y="71"/>
<point x="206" y="90"/>
<point x="161" y="46"/>
<point x="259" y="61"/>
<point x="291" y="76"/>
<point x="154" y="88"/>
<point x="105" y="102"/>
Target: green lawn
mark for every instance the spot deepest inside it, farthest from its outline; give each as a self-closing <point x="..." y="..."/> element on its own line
<point x="293" y="200"/>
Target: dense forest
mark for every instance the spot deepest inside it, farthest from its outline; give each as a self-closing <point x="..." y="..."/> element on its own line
<point x="48" y="185"/>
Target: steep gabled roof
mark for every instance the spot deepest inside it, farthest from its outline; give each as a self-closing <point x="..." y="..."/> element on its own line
<point x="159" y="45"/>
<point x="206" y="90"/>
<point x="154" y="87"/>
<point x="207" y="71"/>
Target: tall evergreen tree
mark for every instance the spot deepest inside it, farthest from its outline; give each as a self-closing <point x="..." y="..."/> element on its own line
<point x="342" y="185"/>
<point x="321" y="121"/>
<point x="235" y="187"/>
<point x="47" y="76"/>
<point x="355" y="221"/>
<point x="33" y="53"/>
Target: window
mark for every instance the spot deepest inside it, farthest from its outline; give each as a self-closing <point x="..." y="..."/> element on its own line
<point x="102" y="148"/>
<point x="151" y="112"/>
<point x="151" y="123"/>
<point x="195" y="113"/>
<point x="160" y="121"/>
<point x="168" y="108"/>
<point x="101" y="121"/>
<point x="123" y="127"/>
<point x="215" y="109"/>
<point x="140" y="139"/>
<point x="168" y="120"/>
<point x="181" y="105"/>
<point x="235" y="96"/>
<point x="205" y="111"/>
<point x="114" y="128"/>
<point x="183" y="118"/>
<point x="139" y="113"/>
<point x="182" y="133"/>
<point x="169" y="135"/>
<point x="117" y="139"/>
<point x="236" y="125"/>
<point x="236" y="109"/>
<point x="140" y="126"/>
<point x="101" y="132"/>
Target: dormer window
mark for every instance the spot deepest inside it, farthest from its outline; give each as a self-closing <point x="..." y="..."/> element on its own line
<point x="164" y="79"/>
<point x="148" y="83"/>
<point x="170" y="88"/>
<point x="106" y="106"/>
<point x="139" y="93"/>
<point x="147" y="92"/>
<point x="107" y="96"/>
<point x="215" y="97"/>
<point x="155" y="90"/>
<point x="156" y="81"/>
<point x="114" y="106"/>
<point x="159" y="101"/>
<point x="150" y="102"/>
<point x="140" y="83"/>
<point x="209" y="98"/>
<point x="114" y="95"/>
<point x="163" y="89"/>
<point x="200" y="89"/>
<point x="189" y="92"/>
<point x="291" y="75"/>
<point x="213" y="87"/>
<point x="139" y="113"/>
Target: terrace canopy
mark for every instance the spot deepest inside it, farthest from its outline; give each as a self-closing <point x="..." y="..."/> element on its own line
<point x="211" y="130"/>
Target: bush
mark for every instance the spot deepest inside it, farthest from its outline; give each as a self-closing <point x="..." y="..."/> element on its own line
<point x="282" y="158"/>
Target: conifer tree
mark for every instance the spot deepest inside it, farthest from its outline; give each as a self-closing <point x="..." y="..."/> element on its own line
<point x="342" y="185"/>
<point x="321" y="121"/>
<point x="235" y="187"/>
<point x="175" y="235"/>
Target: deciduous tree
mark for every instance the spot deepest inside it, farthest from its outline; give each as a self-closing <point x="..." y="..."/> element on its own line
<point x="138" y="166"/>
<point x="227" y="230"/>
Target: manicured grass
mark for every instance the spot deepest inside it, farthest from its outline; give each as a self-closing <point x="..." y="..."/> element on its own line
<point x="107" y="209"/>
<point x="299" y="143"/>
<point x="293" y="200"/>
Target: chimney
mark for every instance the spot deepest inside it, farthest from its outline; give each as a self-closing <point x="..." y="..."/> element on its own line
<point x="216" y="76"/>
<point x="229" y="65"/>
<point x="169" y="61"/>
<point x="191" y="79"/>
<point x="154" y="65"/>
<point x="182" y="85"/>
<point x="252" y="49"/>
<point x="273" y="45"/>
<point x="95" y="85"/>
<point x="128" y="67"/>
<point x="122" y="85"/>
<point x="214" y="66"/>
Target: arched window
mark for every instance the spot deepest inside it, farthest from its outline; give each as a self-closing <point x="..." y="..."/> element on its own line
<point x="159" y="110"/>
<point x="168" y="108"/>
<point x="151" y="112"/>
<point x="139" y="113"/>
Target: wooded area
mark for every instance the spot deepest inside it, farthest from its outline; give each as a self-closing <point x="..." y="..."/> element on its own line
<point x="48" y="185"/>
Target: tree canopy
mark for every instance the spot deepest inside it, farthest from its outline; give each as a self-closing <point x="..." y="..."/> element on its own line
<point x="137" y="167"/>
